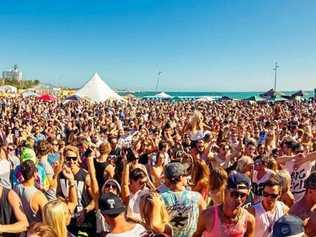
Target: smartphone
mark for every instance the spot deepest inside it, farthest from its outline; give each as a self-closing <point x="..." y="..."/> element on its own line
<point x="88" y="152"/>
<point x="262" y="137"/>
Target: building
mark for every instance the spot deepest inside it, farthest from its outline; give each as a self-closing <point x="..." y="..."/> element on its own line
<point x="13" y="74"/>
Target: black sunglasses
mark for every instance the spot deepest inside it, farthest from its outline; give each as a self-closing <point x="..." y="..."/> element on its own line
<point x="110" y="186"/>
<point x="236" y="194"/>
<point x="69" y="158"/>
<point x="271" y="195"/>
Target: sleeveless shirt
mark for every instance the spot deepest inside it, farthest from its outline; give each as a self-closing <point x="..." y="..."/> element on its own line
<point x="26" y="194"/>
<point x="219" y="229"/>
<point x="6" y="213"/>
<point x="82" y="192"/>
<point x="99" y="170"/>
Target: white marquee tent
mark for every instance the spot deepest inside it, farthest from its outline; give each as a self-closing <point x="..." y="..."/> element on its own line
<point x="8" y="89"/>
<point x="97" y="90"/>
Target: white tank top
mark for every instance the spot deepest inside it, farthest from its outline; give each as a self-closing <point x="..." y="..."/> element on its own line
<point x="265" y="220"/>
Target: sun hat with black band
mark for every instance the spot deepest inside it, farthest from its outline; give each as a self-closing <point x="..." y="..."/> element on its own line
<point x="111" y="204"/>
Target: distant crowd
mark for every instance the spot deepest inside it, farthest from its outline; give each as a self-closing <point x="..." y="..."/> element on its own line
<point x="157" y="168"/>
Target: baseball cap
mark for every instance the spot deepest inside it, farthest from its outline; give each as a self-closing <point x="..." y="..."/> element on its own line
<point x="288" y="226"/>
<point x="111" y="204"/>
<point x="174" y="170"/>
<point x="238" y="182"/>
<point x="310" y="182"/>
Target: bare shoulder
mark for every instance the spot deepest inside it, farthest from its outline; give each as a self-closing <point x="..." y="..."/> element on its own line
<point x="250" y="214"/>
<point x="208" y="213"/>
<point x="13" y="198"/>
<point x="251" y="210"/>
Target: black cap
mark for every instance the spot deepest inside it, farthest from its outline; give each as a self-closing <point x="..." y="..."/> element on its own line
<point x="111" y="204"/>
<point x="287" y="226"/>
<point x="238" y="181"/>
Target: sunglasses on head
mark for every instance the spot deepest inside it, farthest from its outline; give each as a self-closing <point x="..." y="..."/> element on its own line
<point x="271" y="195"/>
<point x="69" y="158"/>
<point x="236" y="194"/>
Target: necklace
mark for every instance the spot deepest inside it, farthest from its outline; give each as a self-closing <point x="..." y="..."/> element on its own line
<point x="230" y="220"/>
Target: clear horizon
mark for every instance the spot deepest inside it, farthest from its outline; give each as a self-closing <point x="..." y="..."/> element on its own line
<point x="218" y="45"/>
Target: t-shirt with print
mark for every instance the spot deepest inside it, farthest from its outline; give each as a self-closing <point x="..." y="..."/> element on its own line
<point x="298" y="176"/>
<point x="183" y="209"/>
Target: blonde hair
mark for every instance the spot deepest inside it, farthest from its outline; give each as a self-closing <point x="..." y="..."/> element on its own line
<point x="41" y="230"/>
<point x="153" y="211"/>
<point x="56" y="214"/>
<point x="197" y="119"/>
<point x="105" y="148"/>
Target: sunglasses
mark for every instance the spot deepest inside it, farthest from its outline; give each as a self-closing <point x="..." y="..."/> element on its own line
<point x="271" y="195"/>
<point x="113" y="186"/>
<point x="236" y="194"/>
<point x="69" y="158"/>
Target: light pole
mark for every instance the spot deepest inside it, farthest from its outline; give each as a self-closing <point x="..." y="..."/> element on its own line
<point x="158" y="79"/>
<point x="275" y="69"/>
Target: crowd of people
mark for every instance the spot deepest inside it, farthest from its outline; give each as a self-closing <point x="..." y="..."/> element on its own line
<point x="157" y="168"/>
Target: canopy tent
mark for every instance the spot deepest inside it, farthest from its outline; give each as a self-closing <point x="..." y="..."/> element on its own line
<point x="225" y="98"/>
<point x="162" y="95"/>
<point x="295" y="96"/>
<point x="255" y="98"/>
<point x="205" y="99"/>
<point x="8" y="89"/>
<point x="278" y="98"/>
<point x="29" y="93"/>
<point x="97" y="90"/>
<point x="46" y="98"/>
<point x="73" y="97"/>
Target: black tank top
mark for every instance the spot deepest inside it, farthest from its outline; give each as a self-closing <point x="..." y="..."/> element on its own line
<point x="99" y="170"/>
<point x="6" y="212"/>
<point x="82" y="192"/>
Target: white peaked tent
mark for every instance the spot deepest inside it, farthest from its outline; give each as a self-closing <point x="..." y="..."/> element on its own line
<point x="97" y="90"/>
<point x="163" y="95"/>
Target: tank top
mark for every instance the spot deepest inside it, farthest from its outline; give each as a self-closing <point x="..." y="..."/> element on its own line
<point x="183" y="209"/>
<point x="82" y="192"/>
<point x="26" y="194"/>
<point x="265" y="220"/>
<point x="219" y="229"/>
<point x="99" y="170"/>
<point x="6" y="212"/>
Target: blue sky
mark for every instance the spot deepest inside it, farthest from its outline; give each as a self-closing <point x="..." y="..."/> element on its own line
<point x="198" y="45"/>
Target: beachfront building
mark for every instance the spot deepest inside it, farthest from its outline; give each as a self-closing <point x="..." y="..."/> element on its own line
<point x="13" y="74"/>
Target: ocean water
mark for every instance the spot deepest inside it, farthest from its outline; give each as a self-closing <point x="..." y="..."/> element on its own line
<point x="215" y="95"/>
